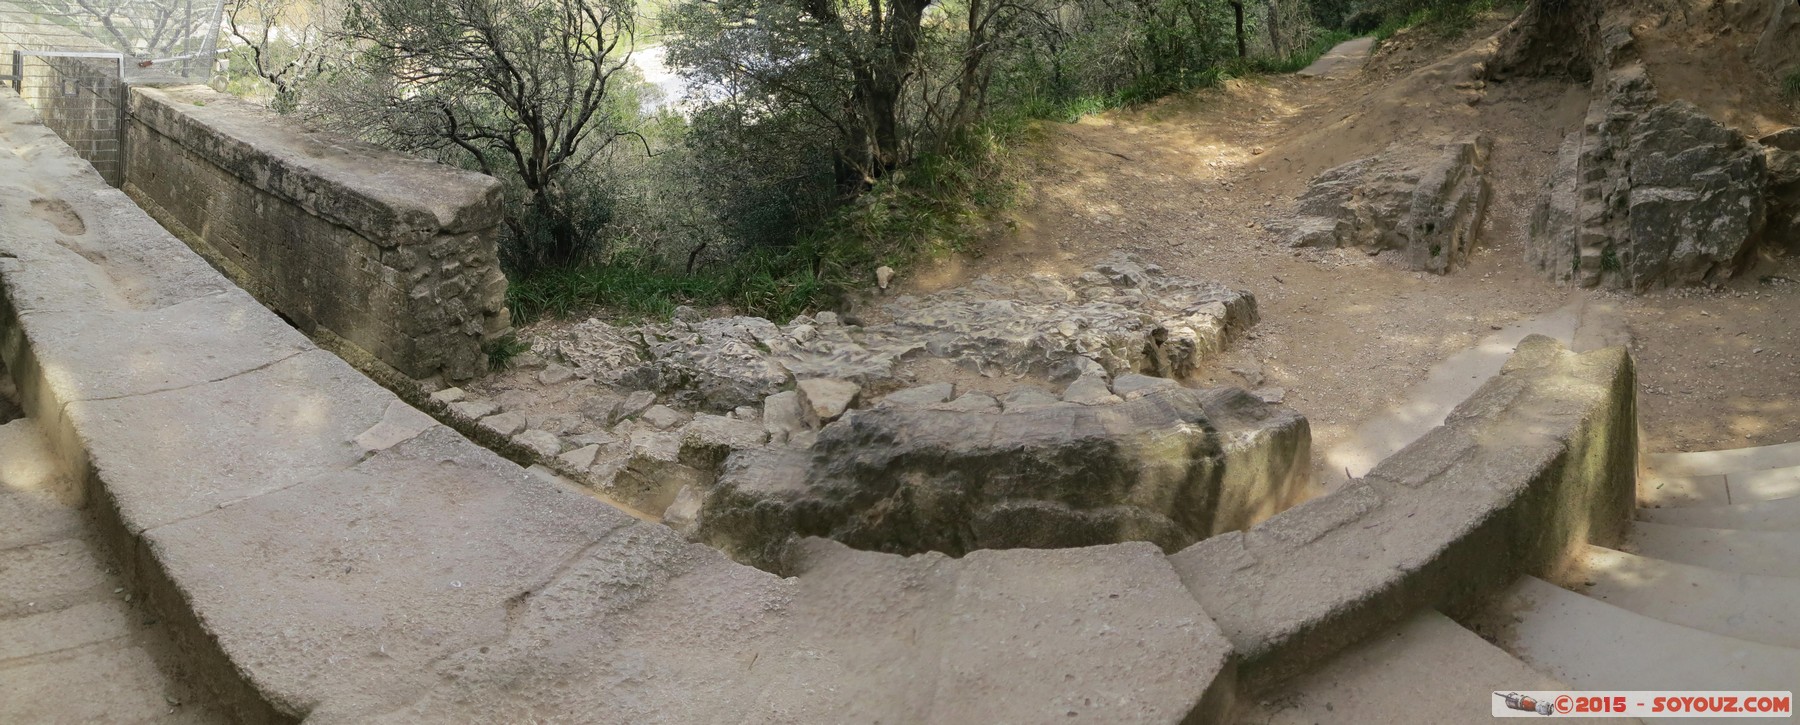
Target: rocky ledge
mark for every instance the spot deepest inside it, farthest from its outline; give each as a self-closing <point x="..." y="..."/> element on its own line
<point x="1171" y="466"/>
<point x="1427" y="202"/>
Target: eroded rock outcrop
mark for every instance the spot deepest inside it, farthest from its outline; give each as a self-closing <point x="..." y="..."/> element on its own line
<point x="1170" y="466"/>
<point x="1648" y="194"/>
<point x="1120" y="317"/>
<point x="1426" y="202"/>
<point x="1782" y="152"/>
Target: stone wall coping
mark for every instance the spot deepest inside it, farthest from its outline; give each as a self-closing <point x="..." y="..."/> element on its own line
<point x="1538" y="461"/>
<point x="391" y="198"/>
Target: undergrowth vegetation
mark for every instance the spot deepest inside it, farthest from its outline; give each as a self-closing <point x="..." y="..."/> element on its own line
<point x="788" y="148"/>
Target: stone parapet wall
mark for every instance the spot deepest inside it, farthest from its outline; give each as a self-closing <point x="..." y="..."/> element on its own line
<point x="1539" y="461"/>
<point x="394" y="255"/>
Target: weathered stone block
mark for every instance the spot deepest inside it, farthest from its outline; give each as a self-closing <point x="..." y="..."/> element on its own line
<point x="1428" y="203"/>
<point x="1171" y="468"/>
<point x="333" y="234"/>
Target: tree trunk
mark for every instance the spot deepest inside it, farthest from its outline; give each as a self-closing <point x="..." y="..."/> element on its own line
<point x="1237" y="9"/>
<point x="875" y="142"/>
<point x="1275" y="28"/>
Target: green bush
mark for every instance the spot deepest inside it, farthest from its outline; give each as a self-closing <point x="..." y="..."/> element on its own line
<point x="501" y="351"/>
<point x="1791" y="83"/>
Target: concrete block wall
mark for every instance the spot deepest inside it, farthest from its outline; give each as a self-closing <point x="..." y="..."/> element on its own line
<point x="391" y="254"/>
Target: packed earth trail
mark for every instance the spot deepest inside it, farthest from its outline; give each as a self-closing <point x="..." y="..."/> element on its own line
<point x="1192" y="182"/>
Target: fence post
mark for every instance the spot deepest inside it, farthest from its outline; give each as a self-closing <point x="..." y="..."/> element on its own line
<point x="18" y="71"/>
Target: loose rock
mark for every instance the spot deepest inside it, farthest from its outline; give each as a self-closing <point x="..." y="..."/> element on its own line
<point x="543" y="443"/>
<point x="556" y="374"/>
<point x="474" y="409"/>
<point x="505" y="424"/>
<point x="662" y="417"/>
<point x="581" y="458"/>
<point x="823" y="400"/>
<point x="449" y="395"/>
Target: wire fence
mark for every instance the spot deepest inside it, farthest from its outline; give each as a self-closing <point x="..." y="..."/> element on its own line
<point x="72" y="59"/>
<point x="159" y="39"/>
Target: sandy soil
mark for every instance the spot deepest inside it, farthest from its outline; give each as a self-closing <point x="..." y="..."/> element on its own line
<point x="1185" y="183"/>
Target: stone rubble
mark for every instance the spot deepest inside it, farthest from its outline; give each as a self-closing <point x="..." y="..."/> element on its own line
<point x="1120" y="317"/>
<point x="654" y="416"/>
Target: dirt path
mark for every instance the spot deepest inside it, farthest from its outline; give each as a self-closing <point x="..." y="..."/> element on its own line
<point x="1186" y="183"/>
<point x="1344" y="59"/>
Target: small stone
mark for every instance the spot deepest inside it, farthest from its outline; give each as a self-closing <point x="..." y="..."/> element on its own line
<point x="606" y="469"/>
<point x="582" y="457"/>
<point x="781" y="415"/>
<point x="803" y="333"/>
<point x="971" y="403"/>
<point x="399" y="423"/>
<point x="721" y="435"/>
<point x="1270" y="395"/>
<point x="883" y="275"/>
<point x="684" y="514"/>
<point x="823" y="400"/>
<point x="505" y="424"/>
<point x="558" y="426"/>
<point x="633" y="404"/>
<point x="826" y="318"/>
<point x="449" y="395"/>
<point x="746" y="412"/>
<point x="556" y="374"/>
<point x="662" y="417"/>
<point x="542" y="442"/>
<point x="921" y="396"/>
<point x="1251" y="374"/>
<point x="475" y="409"/>
<point x="597" y="438"/>
<point x="1132" y="386"/>
<point x="527" y="361"/>
<point x="1090" y="390"/>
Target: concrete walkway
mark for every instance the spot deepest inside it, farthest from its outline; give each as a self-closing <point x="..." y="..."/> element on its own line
<point x="1344" y="59"/>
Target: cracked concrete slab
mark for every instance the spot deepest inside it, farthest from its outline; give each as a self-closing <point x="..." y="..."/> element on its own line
<point x="257" y="432"/>
<point x="417" y="553"/>
<point x="96" y="355"/>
